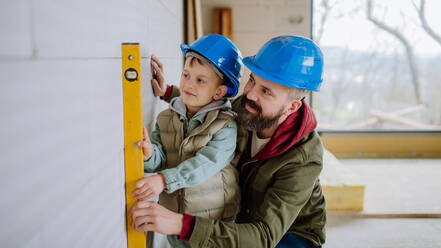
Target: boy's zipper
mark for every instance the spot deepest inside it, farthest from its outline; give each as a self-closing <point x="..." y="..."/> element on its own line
<point x="180" y="201"/>
<point x="181" y="191"/>
<point x="182" y="139"/>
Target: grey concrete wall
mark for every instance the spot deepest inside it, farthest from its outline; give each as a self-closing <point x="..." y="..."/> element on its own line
<point x="61" y="135"/>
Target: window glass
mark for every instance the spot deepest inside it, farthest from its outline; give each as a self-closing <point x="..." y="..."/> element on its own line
<point x="382" y="64"/>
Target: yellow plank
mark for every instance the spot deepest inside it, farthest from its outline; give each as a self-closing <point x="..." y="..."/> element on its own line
<point x="346" y="197"/>
<point x="384" y="146"/>
<point x="133" y="159"/>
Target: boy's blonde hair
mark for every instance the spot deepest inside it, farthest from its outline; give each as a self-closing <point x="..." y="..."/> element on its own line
<point x="202" y="60"/>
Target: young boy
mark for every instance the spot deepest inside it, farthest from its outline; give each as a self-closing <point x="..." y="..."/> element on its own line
<point x="193" y="143"/>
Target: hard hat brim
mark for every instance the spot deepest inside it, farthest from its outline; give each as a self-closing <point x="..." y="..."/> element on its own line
<point x="249" y="62"/>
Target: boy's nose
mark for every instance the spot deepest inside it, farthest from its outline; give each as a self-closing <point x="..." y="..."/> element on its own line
<point x="190" y="84"/>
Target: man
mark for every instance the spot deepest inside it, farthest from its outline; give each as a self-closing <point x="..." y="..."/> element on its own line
<point x="282" y="201"/>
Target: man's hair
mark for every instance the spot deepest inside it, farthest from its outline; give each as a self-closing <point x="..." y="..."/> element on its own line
<point x="297" y="94"/>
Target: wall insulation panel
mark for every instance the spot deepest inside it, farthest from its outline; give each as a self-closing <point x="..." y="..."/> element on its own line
<point x="61" y="141"/>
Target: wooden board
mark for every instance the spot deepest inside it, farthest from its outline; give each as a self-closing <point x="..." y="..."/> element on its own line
<point x="346" y="197"/>
<point x="383" y="145"/>
<point x="223" y="22"/>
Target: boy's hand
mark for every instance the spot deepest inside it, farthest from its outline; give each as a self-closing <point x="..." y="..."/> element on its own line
<point x="149" y="187"/>
<point x="158" y="82"/>
<point x="146" y="145"/>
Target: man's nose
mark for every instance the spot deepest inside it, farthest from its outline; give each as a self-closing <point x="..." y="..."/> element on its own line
<point x="251" y="95"/>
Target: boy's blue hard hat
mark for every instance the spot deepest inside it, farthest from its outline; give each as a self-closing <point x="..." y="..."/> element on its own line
<point x="293" y="61"/>
<point x="223" y="54"/>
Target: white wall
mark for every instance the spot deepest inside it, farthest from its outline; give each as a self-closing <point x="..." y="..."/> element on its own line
<point x="257" y="21"/>
<point x="61" y="136"/>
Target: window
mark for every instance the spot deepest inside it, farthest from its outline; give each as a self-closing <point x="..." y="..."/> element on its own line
<point x="382" y="64"/>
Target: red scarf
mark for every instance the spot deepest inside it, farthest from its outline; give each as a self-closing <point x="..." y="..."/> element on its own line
<point x="294" y="128"/>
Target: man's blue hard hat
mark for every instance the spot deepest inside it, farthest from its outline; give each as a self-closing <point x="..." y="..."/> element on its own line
<point x="293" y="61"/>
<point x="223" y="54"/>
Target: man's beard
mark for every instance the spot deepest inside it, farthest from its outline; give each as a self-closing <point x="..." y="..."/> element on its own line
<point x="255" y="121"/>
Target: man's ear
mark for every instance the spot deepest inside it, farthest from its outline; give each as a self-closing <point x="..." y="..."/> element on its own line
<point x="220" y="92"/>
<point x="293" y="106"/>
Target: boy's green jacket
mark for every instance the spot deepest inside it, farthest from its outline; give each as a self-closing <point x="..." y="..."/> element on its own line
<point x="280" y="186"/>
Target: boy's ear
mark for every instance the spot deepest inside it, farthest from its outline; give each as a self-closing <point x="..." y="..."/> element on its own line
<point x="220" y="92"/>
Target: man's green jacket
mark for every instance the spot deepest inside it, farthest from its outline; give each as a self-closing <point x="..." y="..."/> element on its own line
<point x="281" y="192"/>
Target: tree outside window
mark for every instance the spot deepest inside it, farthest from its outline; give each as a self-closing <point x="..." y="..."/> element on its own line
<point x="382" y="64"/>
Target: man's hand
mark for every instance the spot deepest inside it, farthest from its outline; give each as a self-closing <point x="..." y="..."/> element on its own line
<point x="158" y="81"/>
<point x="150" y="216"/>
<point x="149" y="187"/>
<point x="146" y="145"/>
